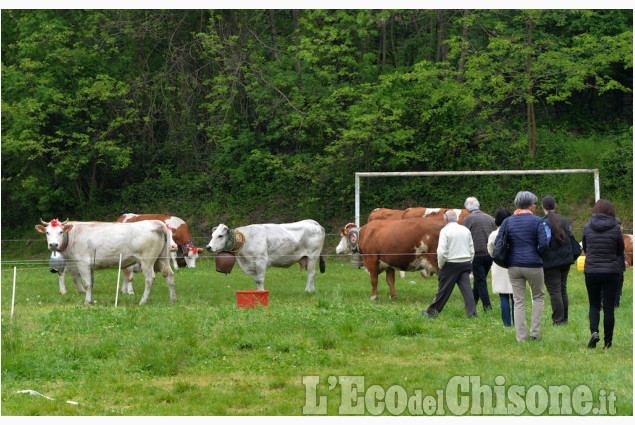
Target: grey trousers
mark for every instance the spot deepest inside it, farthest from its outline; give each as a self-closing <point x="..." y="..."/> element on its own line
<point x="450" y="274"/>
<point x="519" y="277"/>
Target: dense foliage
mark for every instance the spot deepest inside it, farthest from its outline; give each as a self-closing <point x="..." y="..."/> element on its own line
<point x="250" y="115"/>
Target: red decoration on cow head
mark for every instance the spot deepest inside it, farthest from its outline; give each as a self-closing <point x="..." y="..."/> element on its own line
<point x="195" y="250"/>
<point x="168" y="226"/>
<point x="55" y="222"/>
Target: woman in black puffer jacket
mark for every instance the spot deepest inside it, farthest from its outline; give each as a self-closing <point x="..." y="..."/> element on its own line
<point x="603" y="244"/>
<point x="557" y="260"/>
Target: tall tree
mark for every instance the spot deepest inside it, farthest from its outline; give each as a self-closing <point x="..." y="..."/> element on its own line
<point x="531" y="115"/>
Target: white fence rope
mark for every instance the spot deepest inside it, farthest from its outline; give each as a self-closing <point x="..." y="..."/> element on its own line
<point x="13" y="296"/>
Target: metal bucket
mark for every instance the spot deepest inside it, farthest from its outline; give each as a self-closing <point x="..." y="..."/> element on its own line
<point x="356" y="260"/>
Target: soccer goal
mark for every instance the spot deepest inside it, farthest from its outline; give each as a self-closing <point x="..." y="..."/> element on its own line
<point x="358" y="176"/>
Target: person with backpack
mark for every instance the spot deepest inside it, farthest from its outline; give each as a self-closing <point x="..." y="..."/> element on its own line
<point x="557" y="260"/>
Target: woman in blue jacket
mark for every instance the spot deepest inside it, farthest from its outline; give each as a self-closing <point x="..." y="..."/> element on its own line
<point x="527" y="241"/>
<point x="604" y="247"/>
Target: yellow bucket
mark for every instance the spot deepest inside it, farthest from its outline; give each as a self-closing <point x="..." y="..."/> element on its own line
<point x="581" y="260"/>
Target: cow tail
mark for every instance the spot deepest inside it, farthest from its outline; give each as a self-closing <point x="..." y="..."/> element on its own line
<point x="166" y="247"/>
<point x="322" y="264"/>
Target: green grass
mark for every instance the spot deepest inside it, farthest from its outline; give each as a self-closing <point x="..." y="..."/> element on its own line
<point x="204" y="356"/>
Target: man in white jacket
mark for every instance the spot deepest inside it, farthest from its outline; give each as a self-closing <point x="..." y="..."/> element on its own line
<point x="455" y="253"/>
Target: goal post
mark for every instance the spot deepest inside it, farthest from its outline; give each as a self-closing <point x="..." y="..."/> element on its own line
<point x="358" y="176"/>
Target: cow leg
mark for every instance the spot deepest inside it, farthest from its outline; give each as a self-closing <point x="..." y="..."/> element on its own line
<point x="402" y="274"/>
<point x="259" y="276"/>
<point x="128" y="275"/>
<point x="168" y="274"/>
<point x="148" y="272"/>
<point x="311" y="263"/>
<point x="61" y="276"/>
<point x="88" y="276"/>
<point x="174" y="263"/>
<point x="390" y="280"/>
<point x="78" y="283"/>
<point x="374" y="278"/>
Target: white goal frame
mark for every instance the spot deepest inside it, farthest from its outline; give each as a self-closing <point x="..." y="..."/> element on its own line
<point x="595" y="172"/>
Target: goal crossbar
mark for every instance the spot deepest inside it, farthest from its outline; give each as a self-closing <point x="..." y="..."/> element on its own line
<point x="595" y="172"/>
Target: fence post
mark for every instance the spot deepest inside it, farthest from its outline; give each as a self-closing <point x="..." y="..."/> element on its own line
<point x="13" y="296"/>
<point x="118" y="277"/>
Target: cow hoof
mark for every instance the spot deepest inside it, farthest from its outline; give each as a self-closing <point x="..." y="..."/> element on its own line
<point x="373" y="298"/>
<point x="142" y="302"/>
<point x="393" y="298"/>
<point x="63" y="293"/>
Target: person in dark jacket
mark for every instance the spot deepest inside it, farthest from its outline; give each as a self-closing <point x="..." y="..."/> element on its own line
<point x="603" y="244"/>
<point x="527" y="240"/>
<point x="480" y="226"/>
<point x="557" y="260"/>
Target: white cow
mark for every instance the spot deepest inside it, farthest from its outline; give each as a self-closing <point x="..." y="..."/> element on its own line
<point x="126" y="287"/>
<point x="90" y="246"/>
<point x="272" y="245"/>
<point x="185" y="254"/>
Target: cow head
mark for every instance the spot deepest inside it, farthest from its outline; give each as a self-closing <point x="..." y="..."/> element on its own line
<point x="346" y="246"/>
<point x="220" y="236"/>
<point x="56" y="233"/>
<point x="189" y="254"/>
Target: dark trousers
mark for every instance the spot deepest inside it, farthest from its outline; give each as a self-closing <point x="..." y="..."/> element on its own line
<point x="620" y="285"/>
<point x="507" y="307"/>
<point x="556" y="283"/>
<point x="602" y="287"/>
<point x="480" y="269"/>
<point x="449" y="275"/>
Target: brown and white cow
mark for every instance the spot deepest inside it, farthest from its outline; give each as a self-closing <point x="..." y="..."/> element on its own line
<point x="415" y="212"/>
<point x="628" y="249"/>
<point x="389" y="245"/>
<point x="385" y="214"/>
<point x="433" y="214"/>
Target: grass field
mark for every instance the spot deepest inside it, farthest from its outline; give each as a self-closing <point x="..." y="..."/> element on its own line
<point x="204" y="356"/>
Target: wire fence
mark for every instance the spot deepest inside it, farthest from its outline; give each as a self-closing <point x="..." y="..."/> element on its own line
<point x="32" y="264"/>
<point x="206" y="239"/>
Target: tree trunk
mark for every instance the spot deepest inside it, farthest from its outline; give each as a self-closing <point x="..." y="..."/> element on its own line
<point x="296" y="31"/>
<point x="274" y="37"/>
<point x="442" y="47"/>
<point x="459" y="77"/>
<point x="392" y="42"/>
<point x="531" y="116"/>
<point x="383" y="41"/>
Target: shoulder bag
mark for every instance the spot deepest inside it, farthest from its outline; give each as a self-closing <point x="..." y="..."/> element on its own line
<point x="501" y="248"/>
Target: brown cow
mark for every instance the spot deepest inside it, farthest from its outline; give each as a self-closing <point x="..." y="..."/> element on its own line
<point x="385" y="214"/>
<point x="628" y="248"/>
<point x="390" y="245"/>
<point x="436" y="213"/>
